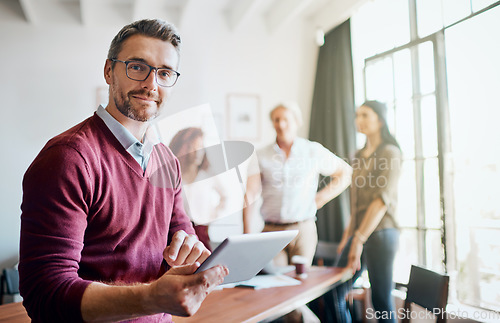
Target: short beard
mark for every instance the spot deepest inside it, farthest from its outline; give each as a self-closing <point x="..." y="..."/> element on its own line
<point x="122" y="103"/>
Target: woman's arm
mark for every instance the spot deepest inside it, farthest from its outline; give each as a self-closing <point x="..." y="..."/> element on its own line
<point x="374" y="214"/>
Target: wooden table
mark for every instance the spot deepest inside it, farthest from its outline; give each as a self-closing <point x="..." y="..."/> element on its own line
<point x="238" y="304"/>
<point x="248" y="305"/>
<point x="13" y="313"/>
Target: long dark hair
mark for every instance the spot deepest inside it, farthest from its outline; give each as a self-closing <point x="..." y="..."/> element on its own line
<point x="181" y="147"/>
<point x="381" y="110"/>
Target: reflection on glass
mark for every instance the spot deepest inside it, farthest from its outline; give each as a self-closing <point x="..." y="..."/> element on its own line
<point x="405" y="129"/>
<point x="429" y="17"/>
<point x="402" y="75"/>
<point x="431" y="191"/>
<point x="379" y="81"/>
<point x="407" y="196"/>
<point x="426" y="65"/>
<point x="454" y="10"/>
<point x="429" y="126"/>
<point x="406" y="256"/>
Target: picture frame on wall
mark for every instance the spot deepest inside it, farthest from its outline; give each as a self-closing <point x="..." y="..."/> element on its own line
<point x="243" y="117"/>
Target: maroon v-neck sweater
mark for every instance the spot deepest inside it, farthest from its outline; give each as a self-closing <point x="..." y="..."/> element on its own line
<point x="90" y="213"/>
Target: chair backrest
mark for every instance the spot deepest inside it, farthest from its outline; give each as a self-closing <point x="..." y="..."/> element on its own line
<point x="428" y="289"/>
<point x="11" y="278"/>
<point x="326" y="253"/>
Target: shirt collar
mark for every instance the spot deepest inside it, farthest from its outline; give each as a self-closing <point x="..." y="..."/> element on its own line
<point x="295" y="145"/>
<point x="124" y="136"/>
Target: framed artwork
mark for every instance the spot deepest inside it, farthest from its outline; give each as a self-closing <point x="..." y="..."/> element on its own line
<point x="243" y="117"/>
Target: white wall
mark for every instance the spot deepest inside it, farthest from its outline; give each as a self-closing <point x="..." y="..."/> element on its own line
<point x="49" y="75"/>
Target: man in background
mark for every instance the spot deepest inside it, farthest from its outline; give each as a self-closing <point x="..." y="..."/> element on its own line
<point x="104" y="236"/>
<point x="288" y="177"/>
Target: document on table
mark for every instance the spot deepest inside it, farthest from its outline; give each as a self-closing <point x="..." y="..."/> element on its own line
<point x="265" y="281"/>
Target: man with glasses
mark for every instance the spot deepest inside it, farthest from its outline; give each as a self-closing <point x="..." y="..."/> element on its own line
<point x="104" y="235"/>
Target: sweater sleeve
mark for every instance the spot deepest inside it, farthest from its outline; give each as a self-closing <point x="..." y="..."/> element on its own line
<point x="56" y="196"/>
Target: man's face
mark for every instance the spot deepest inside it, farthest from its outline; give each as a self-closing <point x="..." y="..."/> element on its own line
<point x="285" y="124"/>
<point x="140" y="100"/>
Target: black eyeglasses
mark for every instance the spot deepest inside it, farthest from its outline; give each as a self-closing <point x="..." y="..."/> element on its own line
<point x="139" y="71"/>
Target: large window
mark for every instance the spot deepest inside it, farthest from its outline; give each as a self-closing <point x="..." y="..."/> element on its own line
<point x="440" y="83"/>
<point x="473" y="85"/>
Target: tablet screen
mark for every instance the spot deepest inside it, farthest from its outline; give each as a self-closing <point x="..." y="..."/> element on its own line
<point x="245" y="255"/>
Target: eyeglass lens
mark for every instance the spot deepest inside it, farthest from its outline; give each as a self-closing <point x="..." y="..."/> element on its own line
<point x="139" y="72"/>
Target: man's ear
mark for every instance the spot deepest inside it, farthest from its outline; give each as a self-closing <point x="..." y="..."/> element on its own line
<point x="108" y="70"/>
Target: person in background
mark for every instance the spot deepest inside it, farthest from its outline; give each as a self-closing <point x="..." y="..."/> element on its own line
<point x="289" y="175"/>
<point x="104" y="236"/>
<point x="203" y="203"/>
<point x="370" y="241"/>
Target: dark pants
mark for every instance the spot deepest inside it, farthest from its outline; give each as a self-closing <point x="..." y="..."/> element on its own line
<point x="378" y="258"/>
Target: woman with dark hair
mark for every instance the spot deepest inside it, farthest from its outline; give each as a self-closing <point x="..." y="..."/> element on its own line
<point x="203" y="195"/>
<point x="370" y="240"/>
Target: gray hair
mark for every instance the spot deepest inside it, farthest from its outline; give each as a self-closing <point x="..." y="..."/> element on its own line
<point x="154" y="28"/>
<point x="291" y="106"/>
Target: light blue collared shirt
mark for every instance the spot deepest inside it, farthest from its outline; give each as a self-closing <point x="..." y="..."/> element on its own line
<point x="140" y="151"/>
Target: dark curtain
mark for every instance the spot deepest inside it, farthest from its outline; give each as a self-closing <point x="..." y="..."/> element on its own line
<point x="332" y="119"/>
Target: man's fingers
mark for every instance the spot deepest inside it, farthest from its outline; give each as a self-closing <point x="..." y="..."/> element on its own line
<point x="186" y="249"/>
<point x="172" y="251"/>
<point x="204" y="255"/>
<point x="184" y="270"/>
<point x="195" y="253"/>
<point x="212" y="277"/>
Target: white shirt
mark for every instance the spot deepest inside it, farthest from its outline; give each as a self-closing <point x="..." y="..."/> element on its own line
<point x="289" y="185"/>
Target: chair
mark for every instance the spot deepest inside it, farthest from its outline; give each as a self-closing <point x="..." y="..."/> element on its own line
<point x="326" y="253"/>
<point x="9" y="283"/>
<point x="429" y="290"/>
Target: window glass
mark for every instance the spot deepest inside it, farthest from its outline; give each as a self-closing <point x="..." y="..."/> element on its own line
<point x="454" y="10"/>
<point x="407" y="196"/>
<point x="381" y="25"/>
<point x="432" y="196"/>
<point x="429" y="126"/>
<point x="406" y="256"/>
<point x="379" y="80"/>
<point x="429" y="17"/>
<point x="481" y="4"/>
<point x="472" y="72"/>
<point x="404" y="128"/>
<point x="426" y="67"/>
<point x="402" y="75"/>
<point x="434" y="250"/>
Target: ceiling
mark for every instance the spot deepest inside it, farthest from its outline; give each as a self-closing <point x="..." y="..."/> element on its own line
<point x="275" y="13"/>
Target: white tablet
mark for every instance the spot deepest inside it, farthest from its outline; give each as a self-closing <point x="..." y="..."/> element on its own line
<point x="245" y="255"/>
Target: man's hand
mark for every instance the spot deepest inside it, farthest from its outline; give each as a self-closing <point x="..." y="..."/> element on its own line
<point x="185" y="249"/>
<point x="180" y="292"/>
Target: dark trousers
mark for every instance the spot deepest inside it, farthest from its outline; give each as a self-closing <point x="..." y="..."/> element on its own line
<point x="378" y="258"/>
